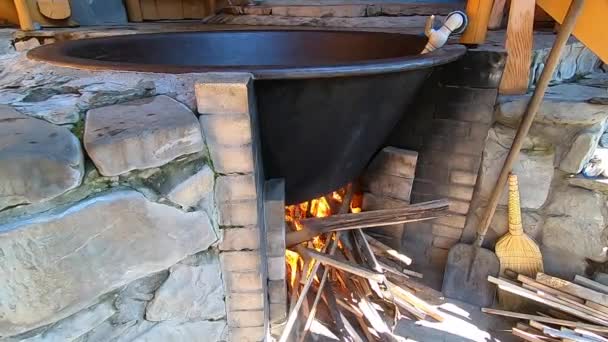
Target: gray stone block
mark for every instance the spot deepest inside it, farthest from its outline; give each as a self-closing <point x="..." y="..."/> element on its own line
<point x="244" y="319"/>
<point x="192" y="190"/>
<point x="60" y="261"/>
<point x="575" y="223"/>
<point x="192" y="292"/>
<point x="38" y="161"/>
<point x="564" y="104"/>
<point x="582" y="149"/>
<point x="245" y="301"/>
<point x="140" y="134"/>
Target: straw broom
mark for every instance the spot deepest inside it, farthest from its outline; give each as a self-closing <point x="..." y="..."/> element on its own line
<point x="516" y="251"/>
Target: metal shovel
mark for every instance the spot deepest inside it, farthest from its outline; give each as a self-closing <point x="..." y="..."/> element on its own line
<point x="468" y="266"/>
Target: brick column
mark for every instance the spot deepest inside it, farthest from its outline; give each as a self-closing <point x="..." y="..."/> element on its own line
<point x="227" y="106"/>
<point x="448" y="126"/>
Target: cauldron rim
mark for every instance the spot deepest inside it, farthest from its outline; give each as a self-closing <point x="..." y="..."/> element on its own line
<point x="57" y="54"/>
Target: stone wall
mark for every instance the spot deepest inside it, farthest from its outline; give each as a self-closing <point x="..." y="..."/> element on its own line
<point x="123" y="213"/>
<point x="563" y="211"/>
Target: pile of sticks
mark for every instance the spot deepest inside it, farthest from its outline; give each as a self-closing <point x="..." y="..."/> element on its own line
<point x="356" y="286"/>
<point x="565" y="311"/>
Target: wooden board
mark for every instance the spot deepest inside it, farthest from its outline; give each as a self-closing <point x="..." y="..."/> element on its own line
<point x="55" y="9"/>
<point x="170" y="9"/>
<point x="497" y="14"/>
<point x="590" y="28"/>
<point x="551" y="320"/>
<point x="588" y="283"/>
<point x="149" y="10"/>
<point x="511" y="287"/>
<point x="519" y="41"/>
<point x="533" y="283"/>
<point x="572" y="289"/>
<point x="193" y="9"/>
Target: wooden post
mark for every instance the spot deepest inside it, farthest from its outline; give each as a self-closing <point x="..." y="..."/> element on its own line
<point x="25" y="17"/>
<point x="519" y="41"/>
<point x="478" y="12"/>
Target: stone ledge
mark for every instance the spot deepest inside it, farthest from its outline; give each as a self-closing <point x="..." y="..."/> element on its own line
<point x="563" y="104"/>
<point x="598" y="184"/>
<point x="90" y="249"/>
<point x="140" y="134"/>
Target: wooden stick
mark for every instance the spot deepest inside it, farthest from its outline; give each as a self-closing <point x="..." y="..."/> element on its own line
<point x="367" y="219"/>
<point x="549" y="320"/>
<point x="515" y="289"/>
<point x="528" y="336"/>
<point x="344" y="208"/>
<point x="533" y="283"/>
<point x="596" y="306"/>
<point x="558" y="46"/>
<point x="590" y="334"/>
<point x="293" y="314"/>
<point x="572" y="289"/>
<point x="496" y="15"/>
<point x="594" y="285"/>
<point x="388" y="250"/>
<point x="559" y="334"/>
<point x="25" y="17"/>
<point x="567" y="302"/>
<point x="415" y="301"/>
<point x="342" y="265"/>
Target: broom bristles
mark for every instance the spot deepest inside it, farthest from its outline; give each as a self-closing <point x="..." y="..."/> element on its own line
<point x="516" y="251"/>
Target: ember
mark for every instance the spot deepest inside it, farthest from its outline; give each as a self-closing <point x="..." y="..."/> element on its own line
<point x="359" y="284"/>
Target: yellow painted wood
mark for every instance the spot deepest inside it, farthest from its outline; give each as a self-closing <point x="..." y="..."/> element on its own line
<point x="55" y="9"/>
<point x="8" y="12"/>
<point x="25" y="16"/>
<point x="478" y="12"/>
<point x="591" y="25"/>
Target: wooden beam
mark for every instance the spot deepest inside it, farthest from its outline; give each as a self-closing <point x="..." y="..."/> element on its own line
<point x="519" y="41"/>
<point x="508" y="286"/>
<point x="594" y="285"/>
<point x="533" y="283"/>
<point x="572" y="289"/>
<point x="543" y="319"/>
<point x="478" y="12"/>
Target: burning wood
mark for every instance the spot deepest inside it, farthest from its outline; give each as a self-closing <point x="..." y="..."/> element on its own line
<point x="357" y="279"/>
<point x="312" y="227"/>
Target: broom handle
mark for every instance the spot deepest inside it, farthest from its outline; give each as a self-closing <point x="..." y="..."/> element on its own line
<point x="558" y="46"/>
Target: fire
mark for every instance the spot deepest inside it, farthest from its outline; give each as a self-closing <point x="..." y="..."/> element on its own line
<point x="318" y="207"/>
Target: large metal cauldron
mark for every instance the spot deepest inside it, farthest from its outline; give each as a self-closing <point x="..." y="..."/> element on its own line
<point x="327" y="100"/>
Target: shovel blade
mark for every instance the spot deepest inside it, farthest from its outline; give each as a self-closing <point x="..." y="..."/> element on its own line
<point x="466" y="275"/>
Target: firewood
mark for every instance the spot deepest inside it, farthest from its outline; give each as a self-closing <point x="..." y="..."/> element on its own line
<point x="412" y="213"/>
<point x="562" y="322"/>
<point x="542" y="287"/>
<point x="342" y="265"/>
<point x="588" y="283"/>
<point x="508" y="286"/>
<point x="530" y="337"/>
<point x="415" y="301"/>
<point x="568" y="302"/>
<point x="558" y="333"/>
<point x="391" y="252"/>
<point x="572" y="289"/>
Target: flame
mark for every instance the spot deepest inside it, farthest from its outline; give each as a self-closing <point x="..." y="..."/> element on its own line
<point x="318" y="207"/>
